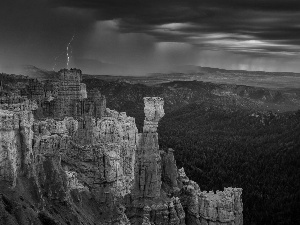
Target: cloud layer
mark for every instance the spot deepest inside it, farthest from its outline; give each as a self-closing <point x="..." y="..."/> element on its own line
<point x="157" y="34"/>
<point x="257" y="27"/>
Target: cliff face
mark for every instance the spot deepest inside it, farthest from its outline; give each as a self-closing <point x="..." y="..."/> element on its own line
<point x="105" y="160"/>
<point x="42" y="161"/>
<point x="99" y="170"/>
<point x="16" y="143"/>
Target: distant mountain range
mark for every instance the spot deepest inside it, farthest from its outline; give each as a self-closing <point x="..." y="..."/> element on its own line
<point x="37" y="73"/>
<point x="271" y="80"/>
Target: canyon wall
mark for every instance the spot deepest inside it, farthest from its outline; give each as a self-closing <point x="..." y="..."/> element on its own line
<point x="61" y="171"/>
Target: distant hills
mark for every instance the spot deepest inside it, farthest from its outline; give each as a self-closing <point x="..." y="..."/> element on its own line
<point x="37" y="73"/>
<point x="271" y="80"/>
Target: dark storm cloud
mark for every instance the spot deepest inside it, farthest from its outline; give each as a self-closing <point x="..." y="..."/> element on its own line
<point x="146" y="33"/>
<point x="273" y="24"/>
<point x="33" y="32"/>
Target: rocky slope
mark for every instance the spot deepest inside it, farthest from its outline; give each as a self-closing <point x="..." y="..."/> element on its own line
<point x="99" y="171"/>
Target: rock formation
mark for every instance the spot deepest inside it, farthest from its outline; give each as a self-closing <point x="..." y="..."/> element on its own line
<point x="107" y="157"/>
<point x="89" y="164"/>
<point x="148" y="166"/>
<point x="222" y="207"/>
<point x="148" y="203"/>
<point x="65" y="96"/>
<point x="15" y="137"/>
<point x="47" y="153"/>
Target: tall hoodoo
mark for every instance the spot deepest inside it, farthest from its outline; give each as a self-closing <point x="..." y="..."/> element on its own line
<point x="148" y="167"/>
<point x="148" y="202"/>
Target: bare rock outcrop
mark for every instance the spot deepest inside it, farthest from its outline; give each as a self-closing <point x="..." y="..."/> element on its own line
<point x="9" y="155"/>
<point x="47" y="153"/>
<point x="222" y="207"/>
<point x="148" y="167"/>
<point x="103" y="153"/>
<point x="16" y="143"/>
<point x="65" y="96"/>
<point x="148" y="203"/>
<point x="162" y="211"/>
<point x="169" y="172"/>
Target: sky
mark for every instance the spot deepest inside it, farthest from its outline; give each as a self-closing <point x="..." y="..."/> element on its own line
<point x="136" y="37"/>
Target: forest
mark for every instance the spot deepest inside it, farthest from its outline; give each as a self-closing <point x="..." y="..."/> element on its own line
<point x="257" y="152"/>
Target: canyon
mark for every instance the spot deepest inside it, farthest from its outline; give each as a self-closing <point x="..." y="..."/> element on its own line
<point x="67" y="159"/>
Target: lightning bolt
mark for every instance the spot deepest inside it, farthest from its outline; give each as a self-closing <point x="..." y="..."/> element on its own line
<point x="56" y="58"/>
<point x="68" y="46"/>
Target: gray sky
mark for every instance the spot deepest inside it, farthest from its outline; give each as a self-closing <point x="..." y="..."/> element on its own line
<point x="138" y="36"/>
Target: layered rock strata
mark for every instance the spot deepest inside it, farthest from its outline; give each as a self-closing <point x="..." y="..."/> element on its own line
<point x="65" y="96"/>
<point x="69" y="90"/>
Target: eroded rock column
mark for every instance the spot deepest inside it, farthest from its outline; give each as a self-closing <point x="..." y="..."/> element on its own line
<point x="148" y="165"/>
